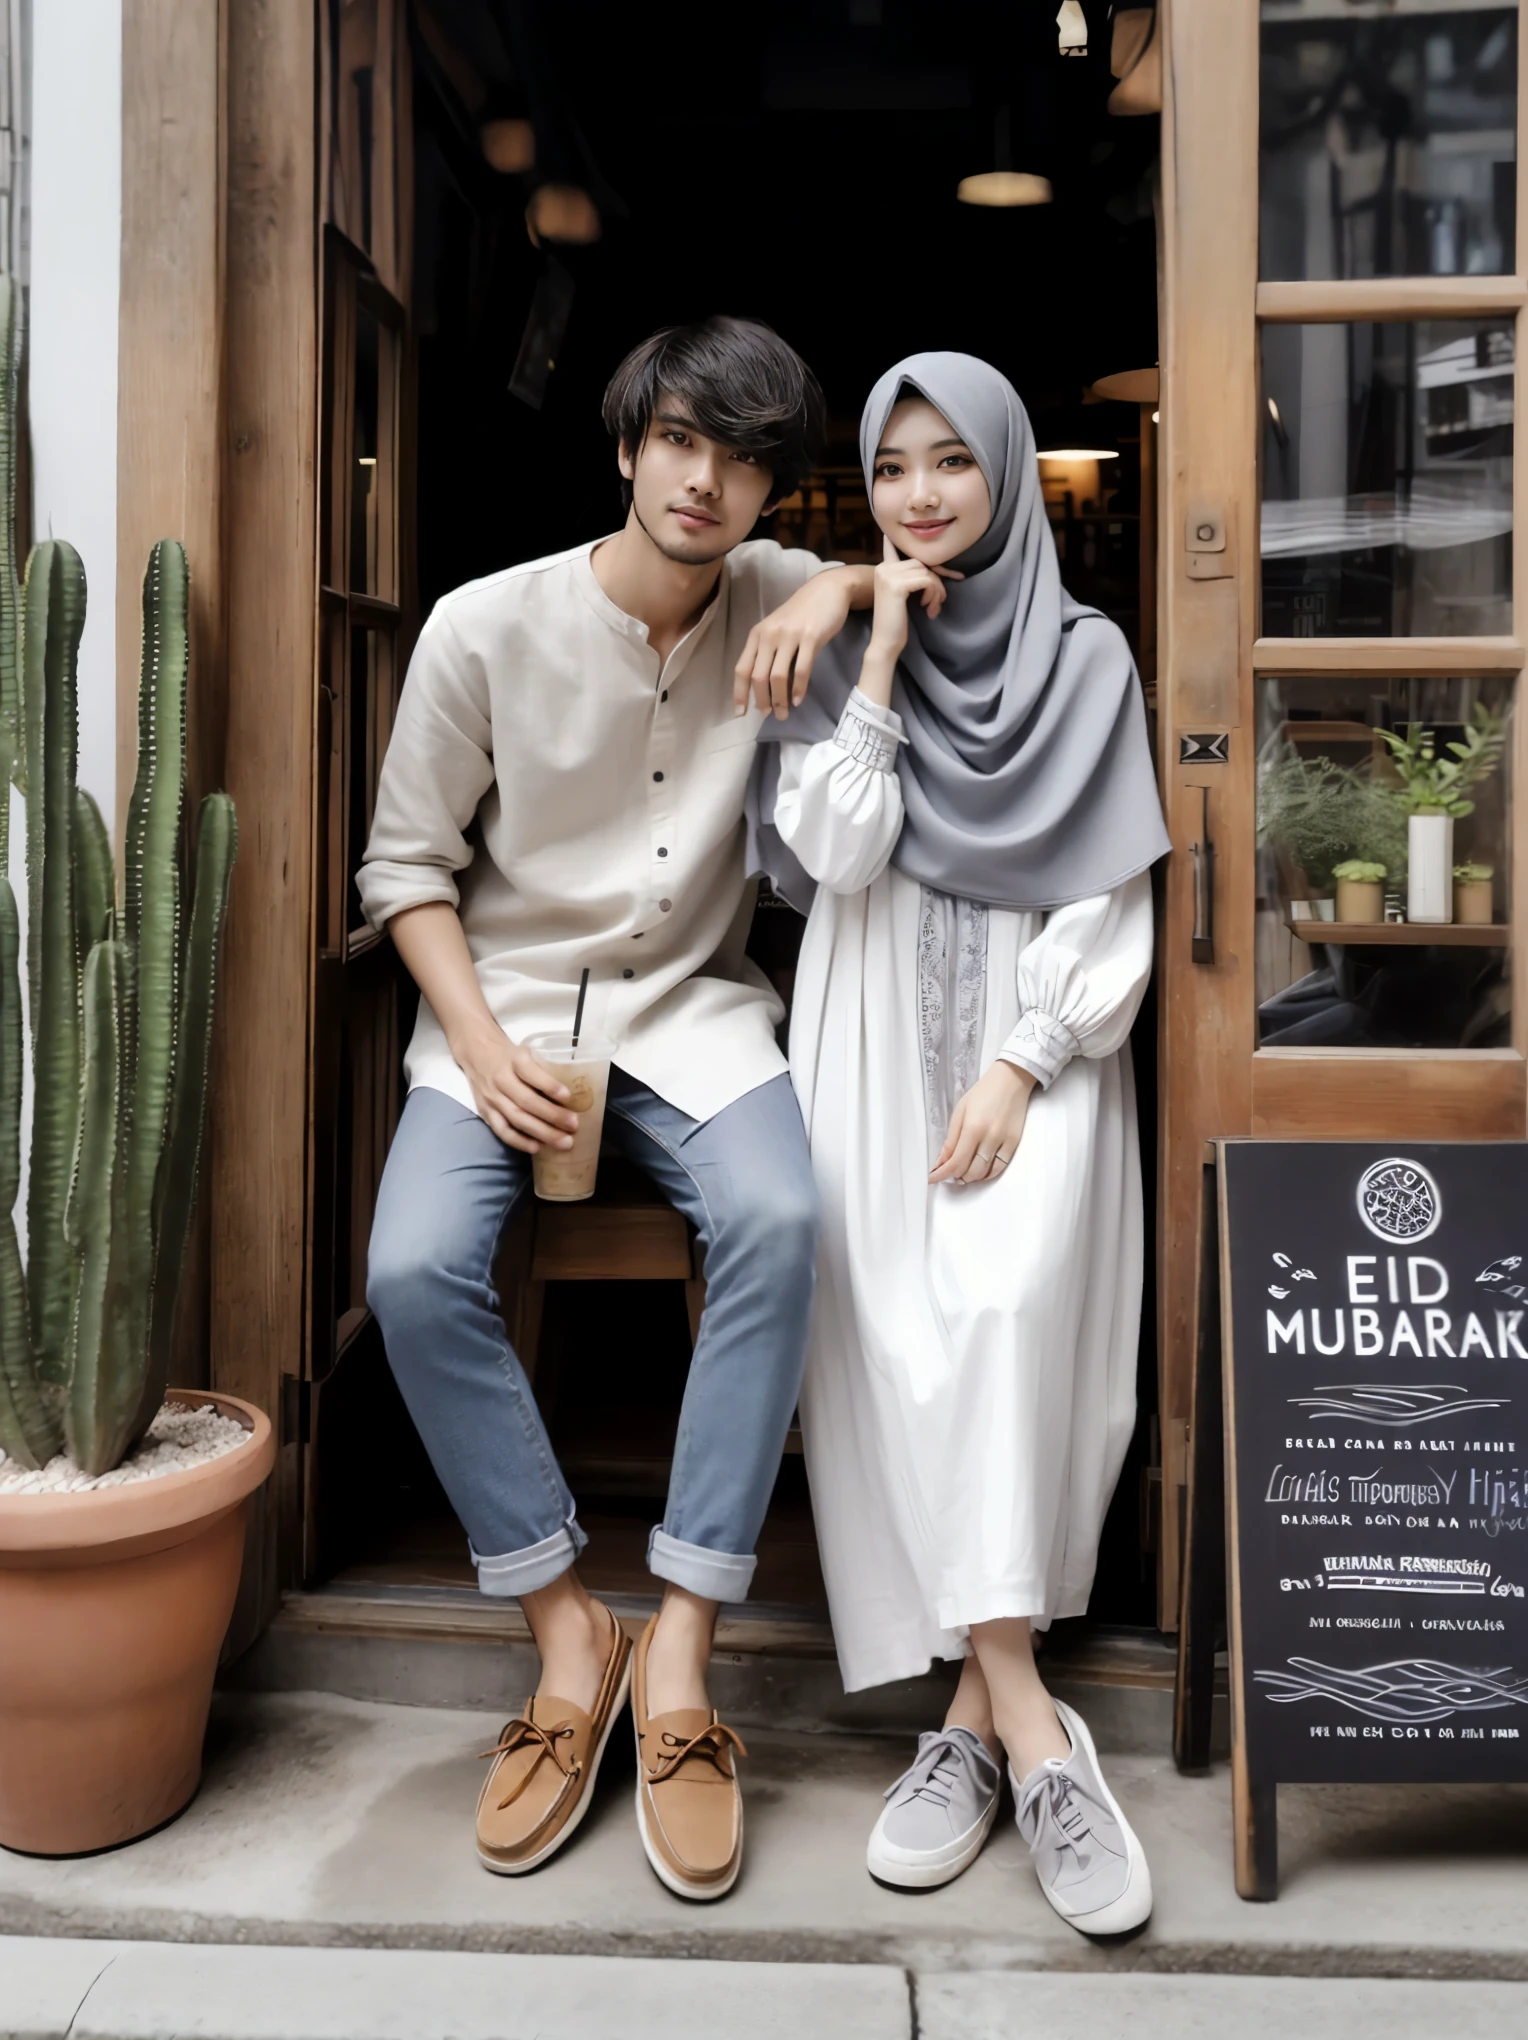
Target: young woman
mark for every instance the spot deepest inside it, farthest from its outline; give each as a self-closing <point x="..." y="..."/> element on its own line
<point x="978" y="811"/>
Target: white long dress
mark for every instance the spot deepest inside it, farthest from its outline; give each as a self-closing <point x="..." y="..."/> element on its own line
<point x="970" y="1387"/>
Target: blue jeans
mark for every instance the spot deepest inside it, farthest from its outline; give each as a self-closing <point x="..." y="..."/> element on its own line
<point x="744" y="1180"/>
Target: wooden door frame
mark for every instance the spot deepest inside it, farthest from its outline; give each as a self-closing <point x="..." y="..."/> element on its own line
<point x="1213" y="1080"/>
<point x="217" y="444"/>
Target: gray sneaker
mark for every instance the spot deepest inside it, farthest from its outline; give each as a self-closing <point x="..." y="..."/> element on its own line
<point x="1086" y="1856"/>
<point x="938" y="1813"/>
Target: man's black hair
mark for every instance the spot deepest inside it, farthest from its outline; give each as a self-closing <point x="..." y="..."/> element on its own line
<point x="740" y="383"/>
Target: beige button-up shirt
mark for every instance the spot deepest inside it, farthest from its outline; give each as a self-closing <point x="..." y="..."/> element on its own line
<point x="581" y="804"/>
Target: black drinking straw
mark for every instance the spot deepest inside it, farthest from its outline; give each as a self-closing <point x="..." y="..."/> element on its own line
<point x="578" y="1017"/>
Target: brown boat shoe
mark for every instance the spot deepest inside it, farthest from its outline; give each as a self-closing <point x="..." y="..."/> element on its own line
<point x="545" y="1764"/>
<point x="689" y="1805"/>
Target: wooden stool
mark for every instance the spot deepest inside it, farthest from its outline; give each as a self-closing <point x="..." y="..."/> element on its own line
<point x="626" y="1232"/>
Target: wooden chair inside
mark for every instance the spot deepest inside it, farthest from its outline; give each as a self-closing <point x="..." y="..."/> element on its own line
<point x="626" y="1232"/>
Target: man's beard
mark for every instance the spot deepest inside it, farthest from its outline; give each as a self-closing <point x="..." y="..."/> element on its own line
<point x="683" y="554"/>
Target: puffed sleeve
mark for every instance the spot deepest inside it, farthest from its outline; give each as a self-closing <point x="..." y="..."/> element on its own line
<point x="1082" y="979"/>
<point x="839" y="808"/>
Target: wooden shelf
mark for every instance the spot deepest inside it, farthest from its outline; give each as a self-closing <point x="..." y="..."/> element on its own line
<point x="1296" y="732"/>
<point x="1400" y="934"/>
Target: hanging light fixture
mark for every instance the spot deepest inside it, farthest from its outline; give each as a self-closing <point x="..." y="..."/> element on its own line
<point x="1003" y="185"/>
<point x="1067" y="455"/>
<point x="1071" y="29"/>
<point x="1128" y="386"/>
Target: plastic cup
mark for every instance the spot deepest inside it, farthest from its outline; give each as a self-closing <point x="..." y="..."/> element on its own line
<point x="568" y="1175"/>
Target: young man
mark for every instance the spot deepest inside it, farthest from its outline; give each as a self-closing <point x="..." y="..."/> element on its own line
<point x="564" y="790"/>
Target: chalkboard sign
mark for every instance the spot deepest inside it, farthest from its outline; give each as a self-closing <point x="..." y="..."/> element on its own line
<point x="1374" y="1316"/>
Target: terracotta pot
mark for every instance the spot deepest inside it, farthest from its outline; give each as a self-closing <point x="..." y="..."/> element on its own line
<point x="1472" y="901"/>
<point x="113" y="1606"/>
<point x="1360" y="899"/>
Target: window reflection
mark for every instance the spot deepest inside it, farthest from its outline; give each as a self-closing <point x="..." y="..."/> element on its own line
<point x="365" y="495"/>
<point x="353" y="38"/>
<point x="1342" y="961"/>
<point x="368" y="725"/>
<point x="1388" y="138"/>
<point x="1387" y="479"/>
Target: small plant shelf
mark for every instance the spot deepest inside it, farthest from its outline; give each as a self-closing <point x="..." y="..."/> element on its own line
<point x="1418" y="934"/>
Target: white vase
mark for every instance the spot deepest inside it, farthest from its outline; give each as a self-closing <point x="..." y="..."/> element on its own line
<point x="1430" y="868"/>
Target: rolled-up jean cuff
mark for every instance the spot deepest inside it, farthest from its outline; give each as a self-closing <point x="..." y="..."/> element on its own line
<point x="714" y="1575"/>
<point x="523" y="1572"/>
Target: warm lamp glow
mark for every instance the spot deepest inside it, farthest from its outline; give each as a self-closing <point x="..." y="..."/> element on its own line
<point x="1004" y="187"/>
<point x="1070" y="453"/>
<point x="509" y="145"/>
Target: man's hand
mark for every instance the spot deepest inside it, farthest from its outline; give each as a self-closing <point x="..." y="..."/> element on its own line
<point x="520" y="1098"/>
<point x="985" y="1127"/>
<point x="777" y="659"/>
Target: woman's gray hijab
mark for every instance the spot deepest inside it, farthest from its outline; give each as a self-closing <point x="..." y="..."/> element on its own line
<point x="1027" y="778"/>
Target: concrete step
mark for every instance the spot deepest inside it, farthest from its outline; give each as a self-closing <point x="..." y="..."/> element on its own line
<point x="328" y="1822"/>
<point x="105" y="1990"/>
<point x="420" y="1646"/>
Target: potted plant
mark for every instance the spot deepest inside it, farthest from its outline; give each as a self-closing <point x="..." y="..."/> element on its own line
<point x="1360" y="890"/>
<point x="1319" y="815"/>
<point x="121" y="1517"/>
<point x="1432" y="796"/>
<point x="1473" y="903"/>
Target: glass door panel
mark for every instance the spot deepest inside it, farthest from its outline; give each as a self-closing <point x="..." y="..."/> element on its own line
<point x="1388" y="139"/>
<point x="1387" y="479"/>
<point x="1342" y="959"/>
<point x="368" y="507"/>
<point x="369" y="705"/>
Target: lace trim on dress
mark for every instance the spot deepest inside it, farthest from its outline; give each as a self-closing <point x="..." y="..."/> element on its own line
<point x="867" y="743"/>
<point x="952" y="1004"/>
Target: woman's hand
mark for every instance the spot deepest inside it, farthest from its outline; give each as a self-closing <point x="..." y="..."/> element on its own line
<point x="985" y="1127"/>
<point x="897" y="581"/>
<point x="523" y="1101"/>
<point x="777" y="659"/>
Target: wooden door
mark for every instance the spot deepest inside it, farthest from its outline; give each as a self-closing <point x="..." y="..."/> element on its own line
<point x="1343" y="294"/>
<point x="364" y="629"/>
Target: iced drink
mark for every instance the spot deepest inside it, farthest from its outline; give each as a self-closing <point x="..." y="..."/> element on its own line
<point x="565" y="1175"/>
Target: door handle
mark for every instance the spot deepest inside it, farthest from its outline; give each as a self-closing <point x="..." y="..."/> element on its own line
<point x="1202" y="948"/>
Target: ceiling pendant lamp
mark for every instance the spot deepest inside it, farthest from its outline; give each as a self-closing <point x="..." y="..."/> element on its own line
<point x="1128" y="386"/>
<point x="1002" y="184"/>
<point x="1071" y="29"/>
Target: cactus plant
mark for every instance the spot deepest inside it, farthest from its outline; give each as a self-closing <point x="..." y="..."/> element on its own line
<point x="121" y="1000"/>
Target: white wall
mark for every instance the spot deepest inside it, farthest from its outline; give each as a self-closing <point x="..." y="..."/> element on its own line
<point x="72" y="57"/>
<point x="76" y="241"/>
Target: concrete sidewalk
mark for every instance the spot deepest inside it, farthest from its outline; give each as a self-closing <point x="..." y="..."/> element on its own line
<point x="104" y="1990"/>
<point x="342" y="1823"/>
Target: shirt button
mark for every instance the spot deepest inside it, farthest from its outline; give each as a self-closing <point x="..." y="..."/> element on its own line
<point x="663" y="853"/>
<point x="628" y="973"/>
<point x="664" y="905"/>
<point x="657" y="776"/>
